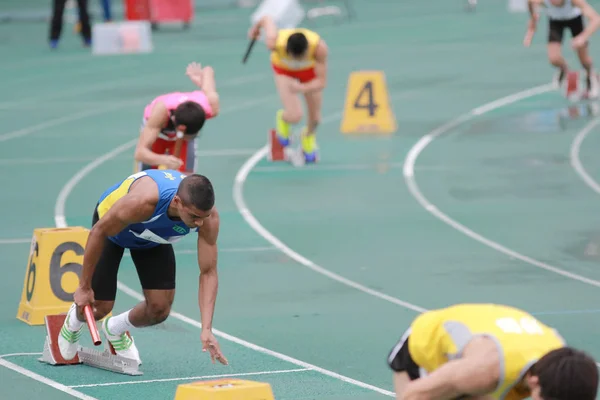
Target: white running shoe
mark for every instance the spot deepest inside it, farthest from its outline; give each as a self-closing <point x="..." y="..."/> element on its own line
<point x="124" y="345"/>
<point x="68" y="339"/>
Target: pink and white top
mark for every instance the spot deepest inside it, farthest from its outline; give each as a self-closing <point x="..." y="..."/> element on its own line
<point x="172" y="101"/>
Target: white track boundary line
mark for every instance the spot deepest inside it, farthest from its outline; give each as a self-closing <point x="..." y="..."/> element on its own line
<point x="574" y="154"/>
<point x="194" y="378"/>
<point x="409" y="176"/>
<point x="43" y="379"/>
<point x="15" y="241"/>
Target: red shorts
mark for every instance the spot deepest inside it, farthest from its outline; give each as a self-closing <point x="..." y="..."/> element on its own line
<point x="161" y="146"/>
<point x="304" y="75"/>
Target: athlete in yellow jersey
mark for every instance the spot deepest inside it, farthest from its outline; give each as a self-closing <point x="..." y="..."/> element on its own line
<point x="299" y="60"/>
<point x="491" y="352"/>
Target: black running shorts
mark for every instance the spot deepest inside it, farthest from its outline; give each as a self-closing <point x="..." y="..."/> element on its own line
<point x="556" y="28"/>
<point x="155" y="268"/>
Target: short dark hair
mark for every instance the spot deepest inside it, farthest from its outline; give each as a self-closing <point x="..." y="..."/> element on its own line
<point x="191" y="115"/>
<point x="196" y="190"/>
<point x="296" y="44"/>
<point x="566" y="374"/>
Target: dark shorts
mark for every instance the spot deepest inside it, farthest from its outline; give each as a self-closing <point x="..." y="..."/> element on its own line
<point x="400" y="360"/>
<point x="557" y="27"/>
<point x="155" y="268"/>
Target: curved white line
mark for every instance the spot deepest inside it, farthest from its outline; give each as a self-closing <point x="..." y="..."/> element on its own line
<point x="576" y="162"/>
<point x="238" y="197"/>
<point x="59" y="206"/>
<point x="409" y="176"/>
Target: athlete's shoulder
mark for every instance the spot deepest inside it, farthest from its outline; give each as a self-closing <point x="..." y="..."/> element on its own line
<point x="165" y="176"/>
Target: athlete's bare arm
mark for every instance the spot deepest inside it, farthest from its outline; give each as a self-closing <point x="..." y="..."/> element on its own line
<point x="143" y="153"/>
<point x="532" y="23"/>
<point x="593" y="19"/>
<point x="533" y="6"/>
<point x="136" y="206"/>
<point x="476" y="374"/>
<point x="209" y="283"/>
<point x="270" y="28"/>
<point x="204" y="78"/>
<point x="320" y="81"/>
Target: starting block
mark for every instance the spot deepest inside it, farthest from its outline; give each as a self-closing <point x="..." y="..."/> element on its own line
<point x="224" y="389"/>
<point x="276" y="152"/>
<point x="574" y="89"/>
<point x="107" y="359"/>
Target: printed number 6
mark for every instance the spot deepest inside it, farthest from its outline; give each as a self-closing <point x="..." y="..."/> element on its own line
<point x="57" y="271"/>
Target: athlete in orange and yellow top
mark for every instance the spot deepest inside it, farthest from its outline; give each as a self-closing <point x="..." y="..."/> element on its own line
<point x="299" y="60"/>
<point x="488" y="352"/>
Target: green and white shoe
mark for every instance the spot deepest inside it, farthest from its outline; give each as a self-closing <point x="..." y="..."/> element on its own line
<point x="123" y="344"/>
<point x="68" y="339"/>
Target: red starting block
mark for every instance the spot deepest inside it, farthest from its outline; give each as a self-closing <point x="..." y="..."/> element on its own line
<point x="572" y="83"/>
<point x="574" y="90"/>
<point x="51" y="353"/>
<point x="108" y="360"/>
<point x="276" y="150"/>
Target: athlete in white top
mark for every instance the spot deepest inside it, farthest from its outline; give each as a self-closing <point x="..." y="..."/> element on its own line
<point x="567" y="14"/>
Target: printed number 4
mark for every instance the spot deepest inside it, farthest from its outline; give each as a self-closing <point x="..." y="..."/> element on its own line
<point x="524" y="325"/>
<point x="370" y="105"/>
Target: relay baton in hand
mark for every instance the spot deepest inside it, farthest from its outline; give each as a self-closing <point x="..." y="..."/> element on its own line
<point x="248" y="50"/>
<point x="91" y="322"/>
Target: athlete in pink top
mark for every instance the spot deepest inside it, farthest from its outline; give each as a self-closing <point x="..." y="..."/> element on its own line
<point x="183" y="112"/>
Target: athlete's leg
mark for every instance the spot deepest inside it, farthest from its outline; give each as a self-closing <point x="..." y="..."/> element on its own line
<point x="576" y="26"/>
<point x="156" y="270"/>
<point x="104" y="285"/>
<point x="314" y="101"/>
<point x="555" y="37"/>
<point x="291" y="113"/>
<point x="401" y="380"/>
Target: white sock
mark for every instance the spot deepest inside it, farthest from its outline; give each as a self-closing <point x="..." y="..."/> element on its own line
<point x="74" y="324"/>
<point x="119" y="324"/>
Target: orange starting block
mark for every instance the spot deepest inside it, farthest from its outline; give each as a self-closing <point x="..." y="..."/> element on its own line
<point x="108" y="360"/>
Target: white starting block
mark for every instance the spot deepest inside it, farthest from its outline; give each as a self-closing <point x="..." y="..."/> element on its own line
<point x="107" y="359"/>
<point x="575" y="89"/>
<point x="125" y="37"/>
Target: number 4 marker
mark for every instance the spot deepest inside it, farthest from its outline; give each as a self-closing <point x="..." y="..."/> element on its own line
<point x="367" y="108"/>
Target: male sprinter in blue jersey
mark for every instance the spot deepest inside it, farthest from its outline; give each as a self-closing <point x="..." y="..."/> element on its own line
<point x="146" y="213"/>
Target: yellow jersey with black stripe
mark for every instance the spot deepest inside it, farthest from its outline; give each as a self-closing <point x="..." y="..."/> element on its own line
<point x="281" y="59"/>
<point x="159" y="228"/>
<point x="440" y="335"/>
